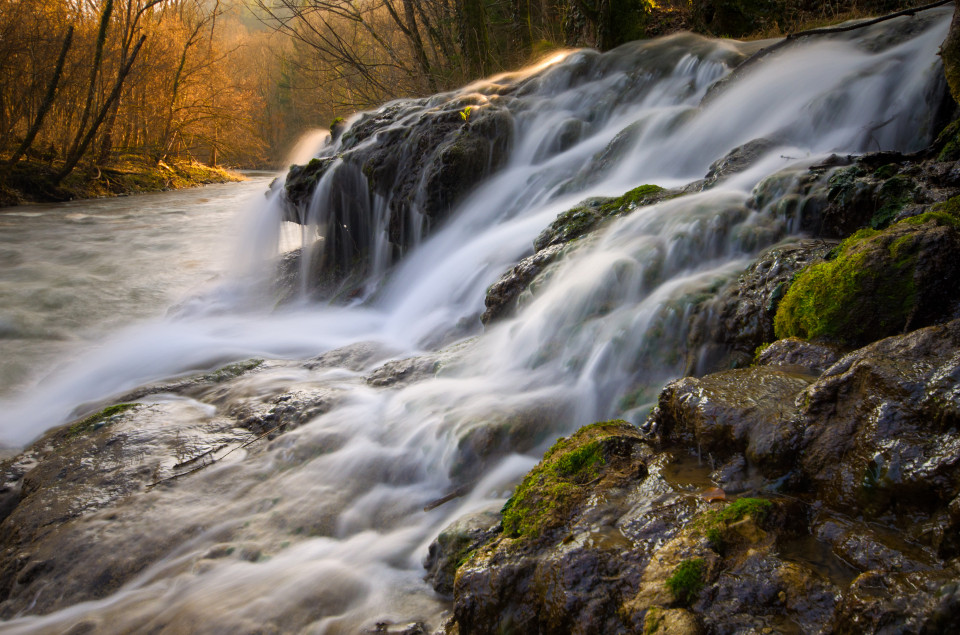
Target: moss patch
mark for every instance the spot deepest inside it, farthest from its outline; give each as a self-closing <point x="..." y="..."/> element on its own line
<point x="637" y="197"/>
<point x="231" y="371"/>
<point x="865" y="293"/>
<point x="714" y="525"/>
<point x="97" y="420"/>
<point x="585" y="217"/>
<point x="895" y="193"/>
<point x="686" y="581"/>
<point x="548" y="494"/>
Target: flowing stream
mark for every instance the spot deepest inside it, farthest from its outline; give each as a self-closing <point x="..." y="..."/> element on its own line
<point x="323" y="528"/>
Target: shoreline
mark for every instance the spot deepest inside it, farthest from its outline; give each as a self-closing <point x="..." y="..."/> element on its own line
<point x="31" y="181"/>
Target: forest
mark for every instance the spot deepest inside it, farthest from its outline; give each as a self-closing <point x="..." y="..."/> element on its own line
<point x="95" y="85"/>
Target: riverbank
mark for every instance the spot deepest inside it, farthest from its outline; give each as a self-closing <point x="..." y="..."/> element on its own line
<point x="32" y="181"/>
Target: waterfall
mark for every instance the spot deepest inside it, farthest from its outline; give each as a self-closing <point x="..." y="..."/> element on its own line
<point x="323" y="529"/>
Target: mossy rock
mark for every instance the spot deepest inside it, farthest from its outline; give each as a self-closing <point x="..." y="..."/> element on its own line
<point x="878" y="284"/>
<point x="551" y="492"/>
<point x="588" y="215"/>
<point x="97" y="420"/>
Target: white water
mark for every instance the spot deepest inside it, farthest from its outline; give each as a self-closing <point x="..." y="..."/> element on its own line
<point x="337" y="503"/>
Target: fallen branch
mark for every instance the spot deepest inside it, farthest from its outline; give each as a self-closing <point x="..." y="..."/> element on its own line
<point x="213" y="459"/>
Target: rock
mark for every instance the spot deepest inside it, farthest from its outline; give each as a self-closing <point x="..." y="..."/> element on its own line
<point x="502" y="296"/>
<point x="531" y="577"/>
<point x="882" y="425"/>
<point x="589" y="215"/>
<point x="891" y="602"/>
<point x="403" y="371"/>
<point x="877" y="284"/>
<point x="356" y="357"/>
<point x="748" y="411"/>
<point x="453" y="546"/>
<point x="418" y="159"/>
<point x="671" y="622"/>
<point x="737" y="160"/>
<point x="727" y="329"/>
<point x="865" y="548"/>
<point x="57" y="545"/>
<point x="582" y="219"/>
<point x="800" y="356"/>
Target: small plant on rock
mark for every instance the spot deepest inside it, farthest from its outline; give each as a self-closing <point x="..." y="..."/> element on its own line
<point x="686" y="581"/>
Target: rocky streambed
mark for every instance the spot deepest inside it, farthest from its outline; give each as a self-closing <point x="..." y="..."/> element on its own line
<point x="813" y="487"/>
<point x="801" y="475"/>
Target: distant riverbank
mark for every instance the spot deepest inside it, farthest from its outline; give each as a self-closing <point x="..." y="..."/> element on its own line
<point x="32" y="181"/>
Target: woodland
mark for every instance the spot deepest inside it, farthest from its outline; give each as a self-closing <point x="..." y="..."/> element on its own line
<point x="101" y="89"/>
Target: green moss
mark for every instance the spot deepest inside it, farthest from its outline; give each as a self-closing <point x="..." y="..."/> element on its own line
<point x="756" y="508"/>
<point x="583" y="460"/>
<point x="549" y="492"/>
<point x="638" y="196"/>
<point x="949" y="141"/>
<point x="893" y="196"/>
<point x="713" y="525"/>
<point x="887" y="171"/>
<point x="759" y="351"/>
<point x="653" y="620"/>
<point x="686" y="581"/>
<point x="231" y="371"/>
<point x="97" y="420"/>
<point x="863" y="294"/>
<point x="583" y="218"/>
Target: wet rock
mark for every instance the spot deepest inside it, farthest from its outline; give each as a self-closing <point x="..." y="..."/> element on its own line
<point x="747" y="411"/>
<point x="877" y="283"/>
<point x="57" y="545"/>
<point x="737" y="160"/>
<point x="502" y="296"/>
<point x="197" y="383"/>
<point x="356" y="357"/>
<point x="671" y="622"/>
<point x="868" y="548"/>
<point x="403" y="371"/>
<point x="889" y="602"/>
<point x="795" y="354"/>
<point x="727" y="329"/>
<point x="417" y="160"/>
<point x="284" y="412"/>
<point x="589" y="215"/>
<point x="453" y="546"/>
<point x="533" y="578"/>
<point x="882" y="425"/>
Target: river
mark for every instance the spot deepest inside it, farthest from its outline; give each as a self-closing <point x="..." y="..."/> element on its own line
<point x="324" y="528"/>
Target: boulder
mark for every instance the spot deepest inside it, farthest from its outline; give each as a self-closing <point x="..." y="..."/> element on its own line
<point x="878" y="283"/>
<point x="881" y="428"/>
<point x="746" y="411"/>
<point x="729" y="327"/>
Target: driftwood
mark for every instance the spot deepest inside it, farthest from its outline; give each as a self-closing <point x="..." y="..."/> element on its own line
<point x="213" y="459"/>
<point x="793" y="37"/>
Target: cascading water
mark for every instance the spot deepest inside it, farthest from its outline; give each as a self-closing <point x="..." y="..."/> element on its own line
<point x="323" y="528"/>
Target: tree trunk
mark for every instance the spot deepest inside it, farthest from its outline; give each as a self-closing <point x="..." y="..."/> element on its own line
<point x="74" y="157"/>
<point x="47" y="99"/>
<point x="94" y="71"/>
<point x="522" y="25"/>
<point x="474" y="40"/>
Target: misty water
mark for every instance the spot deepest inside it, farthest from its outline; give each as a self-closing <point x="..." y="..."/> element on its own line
<point x="100" y="298"/>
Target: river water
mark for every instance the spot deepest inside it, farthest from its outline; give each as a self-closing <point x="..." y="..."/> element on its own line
<point x="72" y="273"/>
<point x="323" y="530"/>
